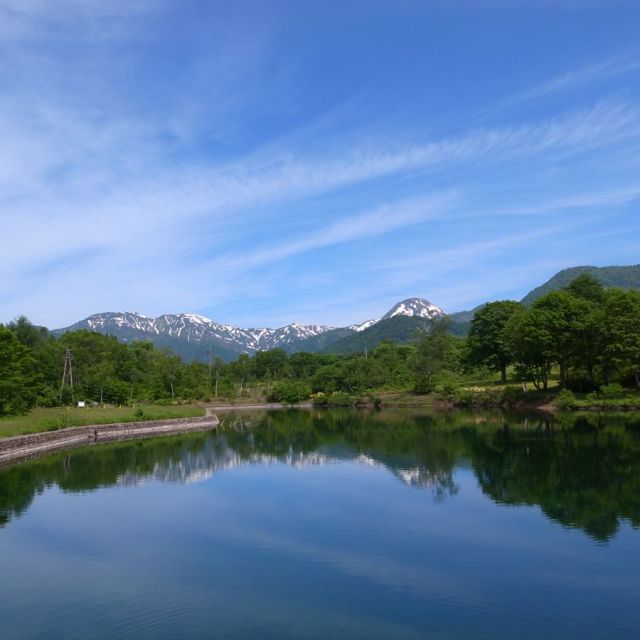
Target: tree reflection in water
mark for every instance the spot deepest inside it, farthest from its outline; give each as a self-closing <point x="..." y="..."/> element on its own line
<point x="581" y="471"/>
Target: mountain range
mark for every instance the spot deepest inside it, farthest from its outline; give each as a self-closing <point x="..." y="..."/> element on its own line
<point x="192" y="336"/>
<point x="195" y="337"/>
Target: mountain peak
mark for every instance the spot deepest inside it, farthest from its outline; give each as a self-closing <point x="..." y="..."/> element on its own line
<point x="191" y="334"/>
<point x="418" y="307"/>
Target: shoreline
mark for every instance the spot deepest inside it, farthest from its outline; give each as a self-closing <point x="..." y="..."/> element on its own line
<point x="209" y="409"/>
<point x="25" y="447"/>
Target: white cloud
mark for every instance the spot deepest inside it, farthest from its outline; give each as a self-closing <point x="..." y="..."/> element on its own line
<point x="93" y="199"/>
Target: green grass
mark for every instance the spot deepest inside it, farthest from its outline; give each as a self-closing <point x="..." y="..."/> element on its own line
<point x="406" y="398"/>
<point x="58" y="418"/>
<point x="628" y="401"/>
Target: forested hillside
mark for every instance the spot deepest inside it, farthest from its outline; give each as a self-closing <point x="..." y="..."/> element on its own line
<point x="620" y="277"/>
<point x="399" y="329"/>
<point x="585" y="337"/>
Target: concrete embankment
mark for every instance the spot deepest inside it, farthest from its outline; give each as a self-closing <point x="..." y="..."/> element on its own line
<point x="32" y="445"/>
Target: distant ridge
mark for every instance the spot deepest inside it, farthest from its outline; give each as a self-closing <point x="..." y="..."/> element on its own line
<point x="626" y="277"/>
<point x="622" y="277"/>
<point x="192" y="336"/>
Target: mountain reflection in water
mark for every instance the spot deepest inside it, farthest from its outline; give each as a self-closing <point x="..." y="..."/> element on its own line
<point x="583" y="472"/>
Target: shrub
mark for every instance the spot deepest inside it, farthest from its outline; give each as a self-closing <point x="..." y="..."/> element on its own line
<point x="289" y="392"/>
<point x="320" y="399"/>
<point x="565" y="400"/>
<point x="140" y="415"/>
<point x="423" y="386"/>
<point x="448" y="388"/>
<point x="463" y="397"/>
<point x="341" y="399"/>
<point x="511" y="394"/>
<point x="336" y="399"/>
<point x="612" y="391"/>
<point x="116" y="392"/>
<point x="49" y="397"/>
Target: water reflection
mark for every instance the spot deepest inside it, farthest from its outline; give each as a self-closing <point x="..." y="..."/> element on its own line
<point x="582" y="472"/>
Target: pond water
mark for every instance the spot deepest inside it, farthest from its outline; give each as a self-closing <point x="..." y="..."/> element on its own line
<point x="331" y="524"/>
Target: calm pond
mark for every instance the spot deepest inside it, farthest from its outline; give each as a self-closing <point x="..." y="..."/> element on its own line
<point x="331" y="524"/>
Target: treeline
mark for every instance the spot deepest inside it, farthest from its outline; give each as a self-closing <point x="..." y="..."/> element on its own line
<point x="584" y="335"/>
<point x="589" y="334"/>
<point x="108" y="371"/>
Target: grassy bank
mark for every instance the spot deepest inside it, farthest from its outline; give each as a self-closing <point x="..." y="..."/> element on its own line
<point x="489" y="394"/>
<point x="630" y="402"/>
<point x="60" y="417"/>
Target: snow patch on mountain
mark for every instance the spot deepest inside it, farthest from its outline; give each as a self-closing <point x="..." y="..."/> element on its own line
<point x="363" y="326"/>
<point x="194" y="328"/>
<point x="418" y="307"/>
<point x="126" y="319"/>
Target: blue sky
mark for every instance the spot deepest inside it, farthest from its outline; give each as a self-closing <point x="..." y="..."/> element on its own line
<point x="268" y="162"/>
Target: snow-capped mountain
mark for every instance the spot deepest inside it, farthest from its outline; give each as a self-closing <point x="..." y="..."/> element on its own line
<point x="109" y="322"/>
<point x="191" y="327"/>
<point x="192" y="335"/>
<point x="413" y="307"/>
<point x="418" y="307"/>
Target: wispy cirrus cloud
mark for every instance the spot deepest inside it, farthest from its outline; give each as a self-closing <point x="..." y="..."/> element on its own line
<point x="132" y="222"/>
<point x="204" y="185"/>
<point x="155" y="199"/>
<point x="379" y="221"/>
<point x="618" y="65"/>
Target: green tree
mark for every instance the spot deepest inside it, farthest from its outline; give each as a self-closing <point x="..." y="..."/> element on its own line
<point x="621" y="334"/>
<point x="527" y="337"/>
<point x="271" y="365"/>
<point x="394" y="361"/>
<point x="18" y="375"/>
<point x="436" y="352"/>
<point x="562" y="311"/>
<point x="360" y="374"/>
<point x="485" y="344"/>
<point x="303" y="365"/>
<point x="27" y="334"/>
<point x="218" y="368"/>
<point x="167" y="369"/>
<point x="329" y="378"/>
<point x="587" y="332"/>
<point x="588" y="288"/>
<point x="242" y="370"/>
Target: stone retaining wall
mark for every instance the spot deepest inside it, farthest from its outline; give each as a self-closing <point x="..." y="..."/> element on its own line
<point x="35" y="444"/>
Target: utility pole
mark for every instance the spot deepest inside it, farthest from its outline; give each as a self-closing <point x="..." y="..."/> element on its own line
<point x="209" y="354"/>
<point x="67" y="373"/>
